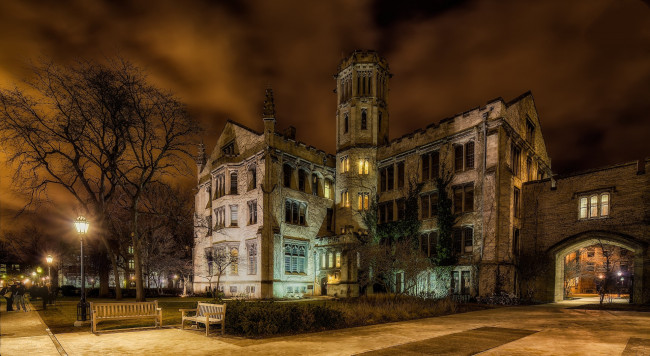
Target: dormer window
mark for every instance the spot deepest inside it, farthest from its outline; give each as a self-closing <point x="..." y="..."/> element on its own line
<point x="229" y="149"/>
<point x="530" y="131"/>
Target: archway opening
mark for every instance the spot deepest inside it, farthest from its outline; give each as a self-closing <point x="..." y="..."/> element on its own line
<point x="601" y="271"/>
<point x="583" y="251"/>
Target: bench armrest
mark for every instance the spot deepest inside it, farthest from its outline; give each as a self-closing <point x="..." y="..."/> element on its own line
<point x="185" y="311"/>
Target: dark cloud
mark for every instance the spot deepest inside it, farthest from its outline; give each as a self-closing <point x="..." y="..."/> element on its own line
<point x="586" y="62"/>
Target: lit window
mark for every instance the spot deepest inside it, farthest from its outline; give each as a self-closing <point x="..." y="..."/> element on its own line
<point x="345" y="164"/>
<point x="593" y="206"/>
<point x="330" y="260"/>
<point x="604" y="204"/>
<point x="345" y="199"/>
<point x="328" y="189"/>
<point x="364" y="166"/>
<point x="363" y="201"/>
<point x="583" y="208"/>
<point x="323" y="260"/>
<point x="338" y="260"/>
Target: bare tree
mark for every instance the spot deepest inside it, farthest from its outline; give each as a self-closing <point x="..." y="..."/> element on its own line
<point x="69" y="131"/>
<point x="158" y="141"/>
<point x="218" y="260"/>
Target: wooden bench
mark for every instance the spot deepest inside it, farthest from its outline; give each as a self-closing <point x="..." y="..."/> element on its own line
<point x="129" y="310"/>
<point x="206" y="313"/>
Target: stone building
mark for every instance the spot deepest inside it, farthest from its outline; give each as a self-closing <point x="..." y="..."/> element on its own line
<point x="580" y="212"/>
<point x="284" y="212"/>
<point x="586" y="268"/>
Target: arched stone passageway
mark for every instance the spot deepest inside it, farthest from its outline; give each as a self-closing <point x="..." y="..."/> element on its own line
<point x="559" y="251"/>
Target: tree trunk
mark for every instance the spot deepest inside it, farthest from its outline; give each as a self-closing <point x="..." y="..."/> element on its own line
<point x="139" y="285"/>
<point x="116" y="274"/>
<point x="104" y="270"/>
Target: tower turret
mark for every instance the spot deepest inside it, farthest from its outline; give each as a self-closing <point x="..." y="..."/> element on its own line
<point x="362" y="92"/>
<point x="362" y="126"/>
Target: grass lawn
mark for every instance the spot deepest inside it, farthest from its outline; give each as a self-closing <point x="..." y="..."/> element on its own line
<point x="61" y="318"/>
<point x="354" y="312"/>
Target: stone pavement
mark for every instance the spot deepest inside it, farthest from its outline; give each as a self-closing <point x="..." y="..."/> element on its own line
<point x="24" y="333"/>
<point x="549" y="329"/>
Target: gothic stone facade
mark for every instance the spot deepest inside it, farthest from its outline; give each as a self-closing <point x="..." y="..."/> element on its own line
<point x="283" y="211"/>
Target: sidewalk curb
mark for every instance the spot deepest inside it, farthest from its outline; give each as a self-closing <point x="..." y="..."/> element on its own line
<point x="55" y="341"/>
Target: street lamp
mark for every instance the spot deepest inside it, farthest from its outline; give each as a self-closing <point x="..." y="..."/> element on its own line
<point x="81" y="225"/>
<point x="49" y="260"/>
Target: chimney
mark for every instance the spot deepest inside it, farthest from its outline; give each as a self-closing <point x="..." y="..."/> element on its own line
<point x="553" y="183"/>
<point x="640" y="166"/>
<point x="290" y="132"/>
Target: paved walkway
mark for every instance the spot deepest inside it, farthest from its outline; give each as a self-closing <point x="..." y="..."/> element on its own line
<point x="549" y="329"/>
<point x="24" y="333"/>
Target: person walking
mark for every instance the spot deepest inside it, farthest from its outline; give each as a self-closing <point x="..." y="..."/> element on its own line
<point x="8" y="293"/>
<point x="20" y="296"/>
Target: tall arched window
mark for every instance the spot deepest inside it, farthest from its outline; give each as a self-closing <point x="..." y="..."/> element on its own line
<point x="327" y="189"/>
<point x="364" y="119"/>
<point x="358" y="85"/>
<point x="287" y="172"/>
<point x="345" y="124"/>
<point x="302" y="180"/>
<point x="314" y="184"/>
<point x="233" y="182"/>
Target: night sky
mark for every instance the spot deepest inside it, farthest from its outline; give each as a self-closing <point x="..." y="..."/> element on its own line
<point x="587" y="62"/>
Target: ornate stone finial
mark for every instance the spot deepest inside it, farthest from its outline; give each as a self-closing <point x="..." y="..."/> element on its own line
<point x="200" y="157"/>
<point x="269" y="106"/>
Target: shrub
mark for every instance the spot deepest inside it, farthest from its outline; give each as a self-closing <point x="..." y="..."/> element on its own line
<point x="270" y="318"/>
<point x="69" y="291"/>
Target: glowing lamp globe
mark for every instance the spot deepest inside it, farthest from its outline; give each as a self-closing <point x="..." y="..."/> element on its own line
<point x="49" y="258"/>
<point x="81" y="224"/>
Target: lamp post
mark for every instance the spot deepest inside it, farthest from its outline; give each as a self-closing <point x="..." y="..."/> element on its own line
<point x="49" y="260"/>
<point x="81" y="225"/>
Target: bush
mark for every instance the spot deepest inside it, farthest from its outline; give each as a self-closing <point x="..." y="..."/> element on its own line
<point x="270" y="318"/>
<point x="70" y="291"/>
